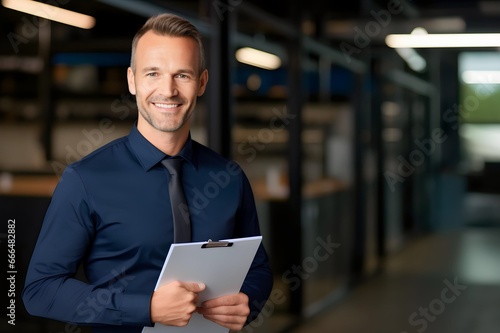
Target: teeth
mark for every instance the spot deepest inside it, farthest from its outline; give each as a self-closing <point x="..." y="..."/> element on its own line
<point x="166" y="106"/>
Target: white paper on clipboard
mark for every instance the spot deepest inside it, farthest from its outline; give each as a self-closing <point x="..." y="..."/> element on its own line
<point x="222" y="269"/>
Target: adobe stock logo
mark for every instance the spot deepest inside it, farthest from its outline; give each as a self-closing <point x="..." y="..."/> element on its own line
<point x="30" y="28"/>
<point x="293" y="277"/>
<point x="363" y="37"/>
<point x="420" y="319"/>
<point x="223" y="6"/>
<point x="424" y="149"/>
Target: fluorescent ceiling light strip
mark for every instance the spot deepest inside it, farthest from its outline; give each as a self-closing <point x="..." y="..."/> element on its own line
<point x="443" y="40"/>
<point x="481" y="77"/>
<point x="414" y="60"/>
<point x="258" y="58"/>
<point x="52" y="13"/>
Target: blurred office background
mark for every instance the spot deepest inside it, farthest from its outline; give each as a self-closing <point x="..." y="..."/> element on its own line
<point x="375" y="166"/>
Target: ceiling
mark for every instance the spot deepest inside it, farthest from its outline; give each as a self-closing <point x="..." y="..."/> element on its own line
<point x="117" y="20"/>
<point x="327" y="21"/>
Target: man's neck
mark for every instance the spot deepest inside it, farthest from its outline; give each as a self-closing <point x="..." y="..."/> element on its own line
<point x="171" y="143"/>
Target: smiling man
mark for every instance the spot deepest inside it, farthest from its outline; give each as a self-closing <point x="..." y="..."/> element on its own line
<point x="111" y="210"/>
<point x="167" y="76"/>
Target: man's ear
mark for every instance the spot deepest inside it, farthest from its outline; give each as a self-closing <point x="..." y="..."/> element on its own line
<point x="131" y="81"/>
<point x="203" y="82"/>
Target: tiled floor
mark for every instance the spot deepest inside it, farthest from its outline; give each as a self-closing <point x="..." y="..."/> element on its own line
<point x="447" y="282"/>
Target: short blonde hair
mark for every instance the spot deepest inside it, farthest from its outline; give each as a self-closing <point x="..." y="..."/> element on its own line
<point x="169" y="25"/>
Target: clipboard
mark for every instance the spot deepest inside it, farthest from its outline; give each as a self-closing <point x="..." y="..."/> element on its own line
<point x="221" y="265"/>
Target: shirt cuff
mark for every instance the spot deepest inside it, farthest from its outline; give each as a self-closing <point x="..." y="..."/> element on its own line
<point x="136" y="310"/>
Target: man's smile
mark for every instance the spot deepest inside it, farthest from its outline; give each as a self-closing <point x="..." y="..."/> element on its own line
<point x="166" y="106"/>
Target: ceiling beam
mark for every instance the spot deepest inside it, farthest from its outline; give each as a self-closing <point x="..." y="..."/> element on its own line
<point x="310" y="46"/>
<point x="147" y="9"/>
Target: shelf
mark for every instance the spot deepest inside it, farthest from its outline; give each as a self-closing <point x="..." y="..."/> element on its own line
<point x="28" y="186"/>
<point x="311" y="190"/>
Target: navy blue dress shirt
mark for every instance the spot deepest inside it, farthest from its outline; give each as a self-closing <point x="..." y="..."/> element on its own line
<point x="111" y="212"/>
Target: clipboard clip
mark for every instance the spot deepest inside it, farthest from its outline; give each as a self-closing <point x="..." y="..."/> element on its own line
<point x="211" y="244"/>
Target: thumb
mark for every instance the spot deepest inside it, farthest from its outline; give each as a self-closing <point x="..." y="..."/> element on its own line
<point x="195" y="287"/>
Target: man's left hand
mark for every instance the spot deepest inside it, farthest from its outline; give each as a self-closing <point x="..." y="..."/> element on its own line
<point x="230" y="311"/>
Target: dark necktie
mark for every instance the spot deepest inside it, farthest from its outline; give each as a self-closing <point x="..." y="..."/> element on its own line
<point x="180" y="211"/>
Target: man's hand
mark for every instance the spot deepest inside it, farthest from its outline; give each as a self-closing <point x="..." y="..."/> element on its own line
<point x="174" y="303"/>
<point x="230" y="311"/>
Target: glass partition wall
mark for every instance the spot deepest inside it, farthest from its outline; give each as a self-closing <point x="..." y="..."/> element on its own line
<point x="312" y="252"/>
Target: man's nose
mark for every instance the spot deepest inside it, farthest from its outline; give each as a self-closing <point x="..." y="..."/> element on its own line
<point x="168" y="87"/>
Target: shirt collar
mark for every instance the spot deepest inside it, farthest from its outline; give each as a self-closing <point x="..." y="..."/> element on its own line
<point x="148" y="155"/>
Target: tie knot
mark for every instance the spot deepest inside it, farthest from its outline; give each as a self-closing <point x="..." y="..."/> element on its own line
<point x="173" y="165"/>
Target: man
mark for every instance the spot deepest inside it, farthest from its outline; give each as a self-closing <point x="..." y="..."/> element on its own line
<point x="111" y="210"/>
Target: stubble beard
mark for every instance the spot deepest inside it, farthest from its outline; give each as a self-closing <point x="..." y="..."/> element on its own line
<point x="169" y="125"/>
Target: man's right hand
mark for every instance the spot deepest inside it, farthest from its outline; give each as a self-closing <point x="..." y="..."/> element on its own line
<point x="174" y="303"/>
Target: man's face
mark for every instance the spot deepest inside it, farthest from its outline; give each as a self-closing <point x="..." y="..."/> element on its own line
<point x="166" y="81"/>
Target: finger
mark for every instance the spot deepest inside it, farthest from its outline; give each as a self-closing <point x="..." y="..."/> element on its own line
<point x="238" y="310"/>
<point x="194" y="287"/>
<point x="231" y="322"/>
<point x="219" y="310"/>
<point x="228" y="300"/>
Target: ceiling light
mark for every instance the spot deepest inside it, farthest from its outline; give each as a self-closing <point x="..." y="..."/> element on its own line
<point x="481" y="77"/>
<point x="442" y="40"/>
<point x="258" y="58"/>
<point x="414" y="60"/>
<point x="51" y="13"/>
<point x="419" y="31"/>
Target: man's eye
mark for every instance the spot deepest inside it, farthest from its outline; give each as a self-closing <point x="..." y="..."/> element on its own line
<point x="152" y="74"/>
<point x="182" y="76"/>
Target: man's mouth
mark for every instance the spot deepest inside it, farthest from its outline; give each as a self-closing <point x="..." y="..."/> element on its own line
<point x="166" y="106"/>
